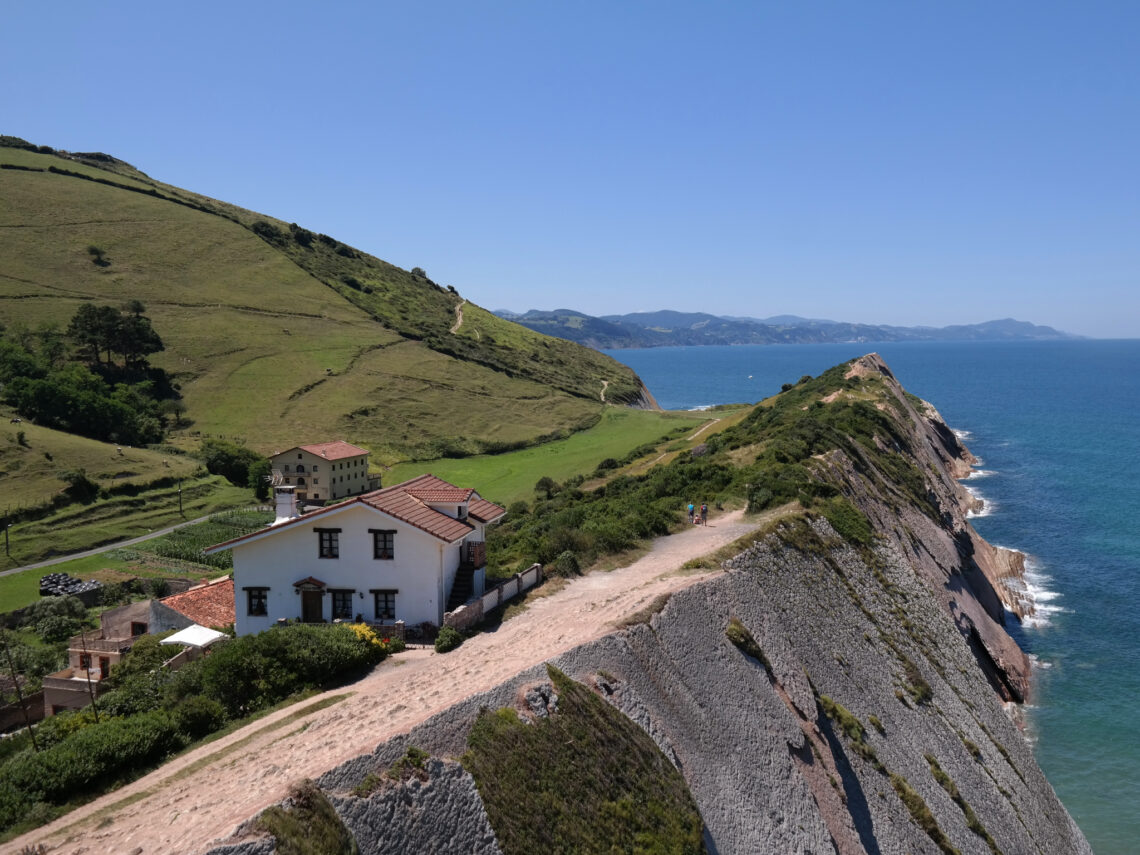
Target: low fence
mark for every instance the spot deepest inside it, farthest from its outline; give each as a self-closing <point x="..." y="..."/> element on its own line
<point x="470" y="614"/>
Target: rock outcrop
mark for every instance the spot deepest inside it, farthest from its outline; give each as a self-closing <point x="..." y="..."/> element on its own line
<point x="818" y="696"/>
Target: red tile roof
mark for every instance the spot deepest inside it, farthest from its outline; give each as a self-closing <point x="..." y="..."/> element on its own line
<point x="483" y="510"/>
<point x="210" y="605"/>
<point x="336" y="450"/>
<point x="440" y="494"/>
<point x="402" y="502"/>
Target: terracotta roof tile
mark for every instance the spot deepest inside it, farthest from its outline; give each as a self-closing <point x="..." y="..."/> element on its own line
<point x="483" y="510"/>
<point x="402" y="502"/>
<point x="336" y="450"/>
<point x="441" y="493"/>
<point x="210" y="605"/>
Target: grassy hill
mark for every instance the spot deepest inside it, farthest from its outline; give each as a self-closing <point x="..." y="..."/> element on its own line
<point x="277" y="335"/>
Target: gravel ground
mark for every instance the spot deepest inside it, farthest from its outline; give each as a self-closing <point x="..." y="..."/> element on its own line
<point x="188" y="804"/>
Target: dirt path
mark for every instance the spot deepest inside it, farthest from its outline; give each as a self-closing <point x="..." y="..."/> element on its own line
<point x="198" y="799"/>
<point x="703" y="428"/>
<point x="605" y="385"/>
<point x="458" y="317"/>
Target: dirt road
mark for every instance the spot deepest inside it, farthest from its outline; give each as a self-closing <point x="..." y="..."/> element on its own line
<point x="198" y="799"/>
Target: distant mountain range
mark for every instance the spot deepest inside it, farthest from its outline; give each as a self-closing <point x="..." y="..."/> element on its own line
<point x="664" y="328"/>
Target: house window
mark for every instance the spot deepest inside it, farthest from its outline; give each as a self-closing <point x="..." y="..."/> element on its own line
<point x="385" y="604"/>
<point x="383" y="544"/>
<point x="84" y="661"/>
<point x="328" y="542"/>
<point x="286" y="467"/>
<point x="342" y="604"/>
<point x="256" y="601"/>
<point x="137" y="628"/>
<point x="300" y="482"/>
<point x="314" y="467"/>
<point x="300" y="467"/>
<point x="316" y="481"/>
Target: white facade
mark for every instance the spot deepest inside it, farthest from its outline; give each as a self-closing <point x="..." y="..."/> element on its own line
<point x="418" y="576"/>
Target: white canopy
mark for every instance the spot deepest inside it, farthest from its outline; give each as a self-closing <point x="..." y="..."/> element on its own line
<point x="194" y="636"/>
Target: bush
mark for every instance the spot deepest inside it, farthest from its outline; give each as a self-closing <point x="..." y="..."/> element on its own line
<point x="57" y="628"/>
<point x="268" y="232"/>
<point x="230" y="460"/>
<point x="79" y="486"/>
<point x="566" y="564"/>
<point x="447" y="640"/>
<point x="93" y="758"/>
<point x="256" y="671"/>
<point x="198" y="716"/>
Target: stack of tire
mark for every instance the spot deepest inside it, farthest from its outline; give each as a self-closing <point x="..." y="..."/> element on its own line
<point x="64" y="585"/>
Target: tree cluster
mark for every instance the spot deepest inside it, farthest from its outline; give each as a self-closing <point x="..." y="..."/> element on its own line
<point x="92" y="379"/>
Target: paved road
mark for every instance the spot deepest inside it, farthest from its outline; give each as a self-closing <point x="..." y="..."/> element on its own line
<point x="100" y="549"/>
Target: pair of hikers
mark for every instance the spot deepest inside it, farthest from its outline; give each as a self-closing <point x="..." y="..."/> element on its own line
<point x="700" y="517"/>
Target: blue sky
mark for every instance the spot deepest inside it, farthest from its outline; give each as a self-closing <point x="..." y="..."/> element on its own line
<point x="902" y="162"/>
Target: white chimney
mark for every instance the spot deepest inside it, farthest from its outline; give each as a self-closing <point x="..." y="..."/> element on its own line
<point x="286" y="504"/>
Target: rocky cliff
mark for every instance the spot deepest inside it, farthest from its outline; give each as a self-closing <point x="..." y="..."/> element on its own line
<point x="825" y="693"/>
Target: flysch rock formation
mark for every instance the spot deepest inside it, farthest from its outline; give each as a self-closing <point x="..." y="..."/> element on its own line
<point x="876" y="688"/>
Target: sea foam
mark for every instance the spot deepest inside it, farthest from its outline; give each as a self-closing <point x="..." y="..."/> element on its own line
<point x="1034" y="588"/>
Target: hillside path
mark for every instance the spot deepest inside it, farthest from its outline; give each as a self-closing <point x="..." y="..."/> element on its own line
<point x="458" y="317"/>
<point x="193" y="802"/>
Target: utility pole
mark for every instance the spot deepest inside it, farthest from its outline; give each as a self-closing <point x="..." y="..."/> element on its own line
<point x="180" y="498"/>
<point x="16" y="683"/>
<point x="90" y="687"/>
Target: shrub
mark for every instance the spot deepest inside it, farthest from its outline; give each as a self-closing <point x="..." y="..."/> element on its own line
<point x="79" y="486"/>
<point x="566" y="564"/>
<point x="269" y="232"/>
<point x="198" y="716"/>
<point x="307" y="824"/>
<point x="851" y="524"/>
<point x="606" y="465"/>
<point x="57" y="628"/>
<point x="917" y="685"/>
<point x="93" y="757"/>
<point x="448" y="639"/>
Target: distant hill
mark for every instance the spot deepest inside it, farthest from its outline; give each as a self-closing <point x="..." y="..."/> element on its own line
<point x="276" y="334"/>
<point x="670" y="328"/>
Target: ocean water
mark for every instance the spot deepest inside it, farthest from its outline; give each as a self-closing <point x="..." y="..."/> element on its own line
<point x="1055" y="424"/>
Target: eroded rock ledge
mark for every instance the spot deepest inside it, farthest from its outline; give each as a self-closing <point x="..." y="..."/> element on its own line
<point x="858" y="706"/>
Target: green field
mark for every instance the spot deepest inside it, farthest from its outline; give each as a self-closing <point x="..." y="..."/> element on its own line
<point x="510" y="477"/>
<point x="31" y="469"/>
<point x="278" y="336"/>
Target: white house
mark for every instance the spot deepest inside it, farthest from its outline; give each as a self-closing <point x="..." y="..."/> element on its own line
<point x="323" y="471"/>
<point x="398" y="553"/>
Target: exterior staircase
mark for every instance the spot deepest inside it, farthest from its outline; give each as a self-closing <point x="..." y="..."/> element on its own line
<point x="463" y="587"/>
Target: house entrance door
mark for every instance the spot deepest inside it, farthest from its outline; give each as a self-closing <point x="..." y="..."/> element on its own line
<point x="311" y="602"/>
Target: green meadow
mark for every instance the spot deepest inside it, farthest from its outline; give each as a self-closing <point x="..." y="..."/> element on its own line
<point x="510" y="477"/>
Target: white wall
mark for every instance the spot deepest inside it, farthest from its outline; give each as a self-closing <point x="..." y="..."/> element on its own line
<point x="276" y="561"/>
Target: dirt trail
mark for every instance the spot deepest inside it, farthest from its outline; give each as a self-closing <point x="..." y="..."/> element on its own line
<point x="458" y="317"/>
<point x="198" y="799"/>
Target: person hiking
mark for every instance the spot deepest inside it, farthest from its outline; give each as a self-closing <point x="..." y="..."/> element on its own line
<point x="704" y="514"/>
<point x="691" y="511"/>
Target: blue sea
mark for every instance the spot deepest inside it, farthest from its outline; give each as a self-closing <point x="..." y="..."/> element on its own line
<point x="1055" y="425"/>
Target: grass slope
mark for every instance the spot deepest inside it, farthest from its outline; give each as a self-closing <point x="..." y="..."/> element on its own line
<point x="277" y="335"/>
<point x="584" y="779"/>
<point x="507" y="478"/>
